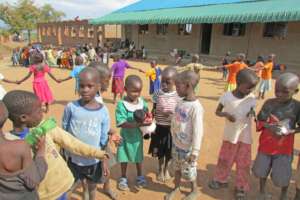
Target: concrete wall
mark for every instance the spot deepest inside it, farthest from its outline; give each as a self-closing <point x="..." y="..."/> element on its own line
<point x="252" y="43"/>
<point x="80" y="35"/>
<point x="165" y="43"/>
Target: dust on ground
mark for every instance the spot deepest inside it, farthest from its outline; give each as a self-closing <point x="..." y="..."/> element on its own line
<point x="211" y="89"/>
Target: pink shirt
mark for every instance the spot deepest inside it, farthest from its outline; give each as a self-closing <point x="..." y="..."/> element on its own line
<point x="39" y="75"/>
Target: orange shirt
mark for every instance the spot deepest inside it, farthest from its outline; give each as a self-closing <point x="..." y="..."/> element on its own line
<point x="233" y="69"/>
<point x="267" y="71"/>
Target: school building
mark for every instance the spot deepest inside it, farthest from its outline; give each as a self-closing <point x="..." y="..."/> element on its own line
<point x="213" y="27"/>
<point x="75" y="32"/>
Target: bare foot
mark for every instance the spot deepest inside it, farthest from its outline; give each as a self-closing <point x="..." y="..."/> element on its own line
<point x="167" y="176"/>
<point x="112" y="195"/>
<point x="172" y="194"/>
<point x="192" y="196"/>
<point x="160" y="177"/>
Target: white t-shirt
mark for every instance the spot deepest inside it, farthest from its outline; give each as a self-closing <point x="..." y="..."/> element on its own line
<point x="2" y="90"/>
<point x="187" y="126"/>
<point x="241" y="129"/>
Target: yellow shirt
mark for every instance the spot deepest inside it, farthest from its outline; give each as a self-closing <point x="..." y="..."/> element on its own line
<point x="59" y="178"/>
<point x="196" y="67"/>
<point x="151" y="74"/>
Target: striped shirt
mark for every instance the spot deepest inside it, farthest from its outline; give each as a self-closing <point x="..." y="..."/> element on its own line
<point x="165" y="106"/>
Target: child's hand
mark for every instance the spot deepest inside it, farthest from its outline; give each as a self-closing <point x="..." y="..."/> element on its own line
<point x="191" y="158"/>
<point x="41" y="146"/>
<point x="230" y="117"/>
<point x="116" y="139"/>
<point x="251" y="113"/>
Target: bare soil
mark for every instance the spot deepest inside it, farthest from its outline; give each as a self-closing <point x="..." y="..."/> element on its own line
<point x="211" y="89"/>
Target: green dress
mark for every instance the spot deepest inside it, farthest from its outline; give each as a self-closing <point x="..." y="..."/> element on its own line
<point x="131" y="148"/>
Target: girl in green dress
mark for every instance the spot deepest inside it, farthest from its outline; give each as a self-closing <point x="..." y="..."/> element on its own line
<point x="131" y="148"/>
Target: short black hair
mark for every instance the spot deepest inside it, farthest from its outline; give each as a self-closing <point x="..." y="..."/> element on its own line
<point x="4" y="114"/>
<point x="90" y="70"/>
<point x="78" y="60"/>
<point x="103" y="70"/>
<point x="132" y="79"/>
<point x="246" y="76"/>
<point x="19" y="102"/>
<point x="189" y="77"/>
<point x="37" y="57"/>
<point x="169" y="71"/>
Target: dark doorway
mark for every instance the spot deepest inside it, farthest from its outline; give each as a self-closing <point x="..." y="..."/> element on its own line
<point x="206" y="38"/>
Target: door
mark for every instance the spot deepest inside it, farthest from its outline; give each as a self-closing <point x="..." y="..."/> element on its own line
<point x="206" y="38"/>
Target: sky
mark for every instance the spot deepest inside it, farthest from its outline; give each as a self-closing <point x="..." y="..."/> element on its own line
<point x="85" y="9"/>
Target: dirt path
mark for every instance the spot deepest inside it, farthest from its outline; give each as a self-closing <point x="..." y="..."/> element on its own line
<point x="211" y="89"/>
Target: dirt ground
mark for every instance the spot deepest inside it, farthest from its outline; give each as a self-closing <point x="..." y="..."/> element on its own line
<point x="211" y="88"/>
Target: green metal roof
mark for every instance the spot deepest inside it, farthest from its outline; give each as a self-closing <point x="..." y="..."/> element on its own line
<point x="257" y="11"/>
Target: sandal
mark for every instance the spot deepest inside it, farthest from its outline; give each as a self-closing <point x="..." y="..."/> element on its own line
<point x="240" y="195"/>
<point x="215" y="185"/>
<point x="123" y="184"/>
<point x="141" y="181"/>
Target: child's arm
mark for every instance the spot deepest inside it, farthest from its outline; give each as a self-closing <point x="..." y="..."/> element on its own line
<point x="9" y="81"/>
<point x="220" y="113"/>
<point x="197" y="131"/>
<point x="65" y="79"/>
<point x="38" y="167"/>
<point x="72" y="144"/>
<point x="25" y="78"/>
<point x="53" y="77"/>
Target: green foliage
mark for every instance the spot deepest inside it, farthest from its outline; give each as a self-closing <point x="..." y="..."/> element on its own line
<point x="24" y="15"/>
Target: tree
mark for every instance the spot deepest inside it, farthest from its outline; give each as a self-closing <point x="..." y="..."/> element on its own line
<point x="25" y="15"/>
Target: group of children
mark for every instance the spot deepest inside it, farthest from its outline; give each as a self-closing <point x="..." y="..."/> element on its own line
<point x="176" y="141"/>
<point x="262" y="68"/>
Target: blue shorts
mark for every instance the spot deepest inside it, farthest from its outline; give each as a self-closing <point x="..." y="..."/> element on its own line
<point x="62" y="197"/>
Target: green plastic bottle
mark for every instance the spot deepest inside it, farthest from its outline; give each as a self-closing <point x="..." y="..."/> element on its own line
<point x="40" y="130"/>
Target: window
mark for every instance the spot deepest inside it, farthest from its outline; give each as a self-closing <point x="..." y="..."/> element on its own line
<point x="275" y="30"/>
<point x="99" y="29"/>
<point x="161" y="29"/>
<point x="81" y="31"/>
<point x="143" y="29"/>
<point x="73" y="32"/>
<point x="90" y="32"/>
<point x="184" y="29"/>
<point x="66" y="31"/>
<point x="234" y="29"/>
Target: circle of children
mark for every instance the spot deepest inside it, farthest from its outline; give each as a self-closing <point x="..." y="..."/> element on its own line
<point x="175" y="124"/>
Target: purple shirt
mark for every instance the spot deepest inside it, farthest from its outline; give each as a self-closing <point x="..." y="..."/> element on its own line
<point x="118" y="68"/>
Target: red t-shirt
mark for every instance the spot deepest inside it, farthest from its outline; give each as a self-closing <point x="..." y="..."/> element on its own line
<point x="272" y="112"/>
<point x="272" y="145"/>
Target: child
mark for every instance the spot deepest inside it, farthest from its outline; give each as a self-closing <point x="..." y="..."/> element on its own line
<point x="233" y="69"/>
<point x="40" y="84"/>
<point x="225" y="61"/>
<point x="14" y="57"/>
<point x="196" y="67"/>
<point x="88" y="121"/>
<point x="105" y="75"/>
<point x="25" y="111"/>
<point x="2" y="90"/>
<point x="278" y="120"/>
<point x="79" y="66"/>
<point x="164" y="102"/>
<point x="154" y="77"/>
<point x="266" y="75"/>
<point x="118" y="70"/>
<point x="19" y="174"/>
<point x="236" y="107"/>
<point x="131" y="148"/>
<point x="187" y="132"/>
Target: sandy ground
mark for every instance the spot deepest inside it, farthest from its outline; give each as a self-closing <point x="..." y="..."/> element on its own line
<point x="211" y="89"/>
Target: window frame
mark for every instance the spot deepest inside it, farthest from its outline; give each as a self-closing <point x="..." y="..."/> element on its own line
<point x="228" y="29"/>
<point x="181" y="29"/>
<point x="269" y="30"/>
<point x="143" y="29"/>
<point x="162" y="29"/>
